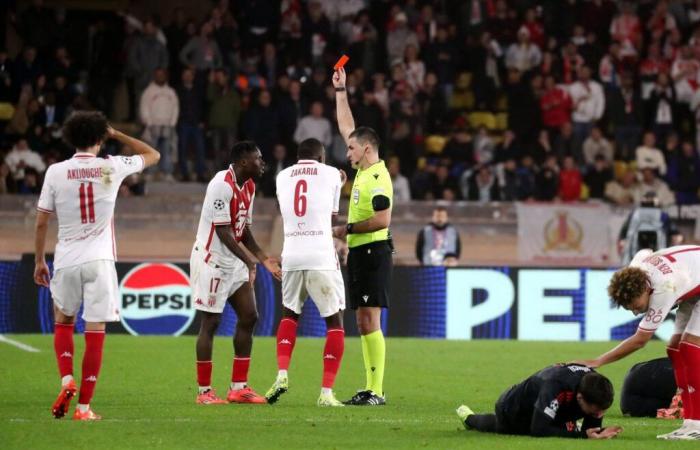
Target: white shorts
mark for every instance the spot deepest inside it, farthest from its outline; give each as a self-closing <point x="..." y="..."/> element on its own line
<point x="94" y="283"/>
<point x="212" y="284"/>
<point x="688" y="318"/>
<point x="325" y="287"/>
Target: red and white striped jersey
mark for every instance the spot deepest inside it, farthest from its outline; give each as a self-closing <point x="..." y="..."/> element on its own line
<point x="674" y="276"/>
<point x="82" y="192"/>
<point x="224" y="204"/>
<point x="309" y="194"/>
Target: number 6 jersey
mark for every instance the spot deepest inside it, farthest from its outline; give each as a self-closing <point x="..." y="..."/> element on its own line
<point x="308" y="193"/>
<point x="82" y="192"/>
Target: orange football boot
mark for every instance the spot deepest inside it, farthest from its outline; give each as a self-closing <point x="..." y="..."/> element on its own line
<point x="62" y="403"/>
<point x="87" y="415"/>
<point x="245" y="395"/>
<point x="209" y="398"/>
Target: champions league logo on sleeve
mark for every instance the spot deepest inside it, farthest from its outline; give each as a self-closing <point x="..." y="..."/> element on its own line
<point x="156" y="299"/>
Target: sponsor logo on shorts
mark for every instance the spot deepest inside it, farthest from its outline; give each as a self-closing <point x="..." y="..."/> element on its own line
<point x="156" y="299"/>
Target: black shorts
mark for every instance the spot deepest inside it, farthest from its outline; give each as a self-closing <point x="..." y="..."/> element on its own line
<point x="369" y="273"/>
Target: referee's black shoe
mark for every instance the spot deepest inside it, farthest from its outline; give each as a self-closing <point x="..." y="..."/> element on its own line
<point x="366" y="398"/>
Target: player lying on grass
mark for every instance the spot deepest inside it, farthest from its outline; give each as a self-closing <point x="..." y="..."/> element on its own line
<point x="655" y="283"/>
<point x="82" y="192"/>
<point x="309" y="193"/>
<point x="548" y="404"/>
<point x="221" y="271"/>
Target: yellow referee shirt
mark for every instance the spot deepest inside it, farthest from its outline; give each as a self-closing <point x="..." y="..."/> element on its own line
<point x="370" y="182"/>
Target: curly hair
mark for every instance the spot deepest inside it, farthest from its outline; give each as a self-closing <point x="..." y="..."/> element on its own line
<point x="627" y="285"/>
<point x="84" y="129"/>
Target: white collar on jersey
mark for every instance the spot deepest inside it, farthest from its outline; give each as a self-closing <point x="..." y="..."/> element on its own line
<point x="83" y="155"/>
<point x="307" y="161"/>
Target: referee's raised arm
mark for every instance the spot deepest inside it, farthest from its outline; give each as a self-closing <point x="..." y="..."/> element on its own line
<point x="346" y="123"/>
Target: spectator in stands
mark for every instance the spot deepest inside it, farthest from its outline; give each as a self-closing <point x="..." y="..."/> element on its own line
<point x="661" y="107"/>
<point x="145" y="56"/>
<point x="21" y="159"/>
<point x="280" y="161"/>
<point x="570" y="181"/>
<point x="159" y="111"/>
<point x="7" y="183"/>
<point x="314" y="126"/>
<point x="190" y="128"/>
<point x="684" y="174"/>
<point x="438" y="243"/>
<point x="564" y="143"/>
<point x="523" y="55"/>
<point x="627" y="29"/>
<point x="589" y="104"/>
<point x="555" y="105"/>
<point x="261" y="124"/>
<point x="507" y="175"/>
<point x="176" y="37"/>
<point x="621" y="192"/>
<point x="482" y="185"/>
<point x="521" y="104"/>
<point x="547" y="180"/>
<point x="291" y="107"/>
<point x="527" y="179"/>
<point x="598" y="175"/>
<point x="399" y="37"/>
<point x="201" y="52"/>
<point x="650" y="182"/>
<point x="223" y="116"/>
<point x="27" y="68"/>
<point x="649" y="156"/>
<point x="625" y="112"/>
<point x="415" y="68"/>
<point x="595" y="145"/>
<point x="484" y="147"/>
<point x="610" y="67"/>
<point x="369" y="113"/>
<point x="444" y="184"/>
<point x="402" y="190"/>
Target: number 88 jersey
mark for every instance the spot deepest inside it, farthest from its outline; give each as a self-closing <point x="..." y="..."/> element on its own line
<point x="309" y="195"/>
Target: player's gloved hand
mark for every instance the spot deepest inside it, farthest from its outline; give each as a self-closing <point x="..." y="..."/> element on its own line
<point x="339" y="78"/>
<point x="273" y="265"/>
<point x="603" y="433"/>
<point x="41" y="274"/>
<point x="252" y="269"/>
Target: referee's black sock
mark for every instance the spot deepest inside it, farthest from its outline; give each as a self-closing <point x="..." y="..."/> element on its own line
<point x="482" y="422"/>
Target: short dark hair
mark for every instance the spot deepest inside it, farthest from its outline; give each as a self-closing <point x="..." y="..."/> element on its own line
<point x="310" y="149"/>
<point x="440" y="208"/>
<point x="242" y="149"/>
<point x="597" y="390"/>
<point x="366" y="135"/>
<point x="84" y="129"/>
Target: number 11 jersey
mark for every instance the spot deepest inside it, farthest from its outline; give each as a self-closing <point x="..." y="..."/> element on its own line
<point x="309" y="194"/>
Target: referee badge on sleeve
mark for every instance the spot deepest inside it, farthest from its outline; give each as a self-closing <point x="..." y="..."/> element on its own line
<point x="356" y="196"/>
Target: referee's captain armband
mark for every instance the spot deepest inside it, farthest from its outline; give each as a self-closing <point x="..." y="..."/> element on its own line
<point x="380" y="203"/>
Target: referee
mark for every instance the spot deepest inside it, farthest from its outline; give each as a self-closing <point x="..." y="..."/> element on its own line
<point x="367" y="233"/>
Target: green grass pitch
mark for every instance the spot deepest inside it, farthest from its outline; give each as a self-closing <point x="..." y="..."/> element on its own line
<point x="147" y="389"/>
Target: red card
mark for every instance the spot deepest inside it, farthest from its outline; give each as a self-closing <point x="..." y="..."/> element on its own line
<point x="341" y="62"/>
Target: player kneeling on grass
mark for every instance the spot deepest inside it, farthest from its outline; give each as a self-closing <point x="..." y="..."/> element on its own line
<point x="548" y="404"/>
<point x="654" y="283"/>
<point x="82" y="192"/>
<point x="221" y="271"/>
<point x="309" y="194"/>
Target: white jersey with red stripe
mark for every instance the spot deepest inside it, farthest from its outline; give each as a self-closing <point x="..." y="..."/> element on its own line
<point x="225" y="203"/>
<point x="82" y="192"/>
<point x="674" y="277"/>
<point x="308" y="194"/>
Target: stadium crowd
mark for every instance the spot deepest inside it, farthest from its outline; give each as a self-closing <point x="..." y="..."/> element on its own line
<point x="480" y="100"/>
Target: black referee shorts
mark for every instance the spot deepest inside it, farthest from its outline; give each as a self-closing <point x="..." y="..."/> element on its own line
<point x="369" y="272"/>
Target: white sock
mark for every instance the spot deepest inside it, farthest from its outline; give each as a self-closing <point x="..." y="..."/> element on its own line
<point x="237" y="386"/>
<point x="281" y="374"/>
<point x="65" y="380"/>
<point x="203" y="389"/>
<point x="326" y="391"/>
<point x="83" y="408"/>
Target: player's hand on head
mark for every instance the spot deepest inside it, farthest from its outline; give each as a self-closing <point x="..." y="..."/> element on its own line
<point x="339" y="78"/>
<point x="41" y="274"/>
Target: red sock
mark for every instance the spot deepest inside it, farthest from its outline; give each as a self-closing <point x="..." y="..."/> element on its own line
<point x="674" y="355"/>
<point x="332" y="355"/>
<point x="286" y="338"/>
<point x="63" y="346"/>
<point x="691" y="359"/>
<point x="240" y="369"/>
<point x="92" y="361"/>
<point x="204" y="373"/>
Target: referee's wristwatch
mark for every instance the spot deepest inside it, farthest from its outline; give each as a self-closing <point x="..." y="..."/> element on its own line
<point x="348" y="228"/>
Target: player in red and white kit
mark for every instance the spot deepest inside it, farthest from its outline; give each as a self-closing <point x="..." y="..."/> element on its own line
<point x="655" y="283"/>
<point x="309" y="193"/>
<point x="81" y="192"/>
<point x="221" y="271"/>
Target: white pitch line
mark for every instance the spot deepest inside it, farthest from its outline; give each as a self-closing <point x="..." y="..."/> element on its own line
<point x="19" y="345"/>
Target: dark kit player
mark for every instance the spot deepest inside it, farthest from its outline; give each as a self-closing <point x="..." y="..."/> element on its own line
<point x="548" y="404"/>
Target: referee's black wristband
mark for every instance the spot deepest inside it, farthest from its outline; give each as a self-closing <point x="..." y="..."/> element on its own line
<point x="340" y="89"/>
<point x="349" y="227"/>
